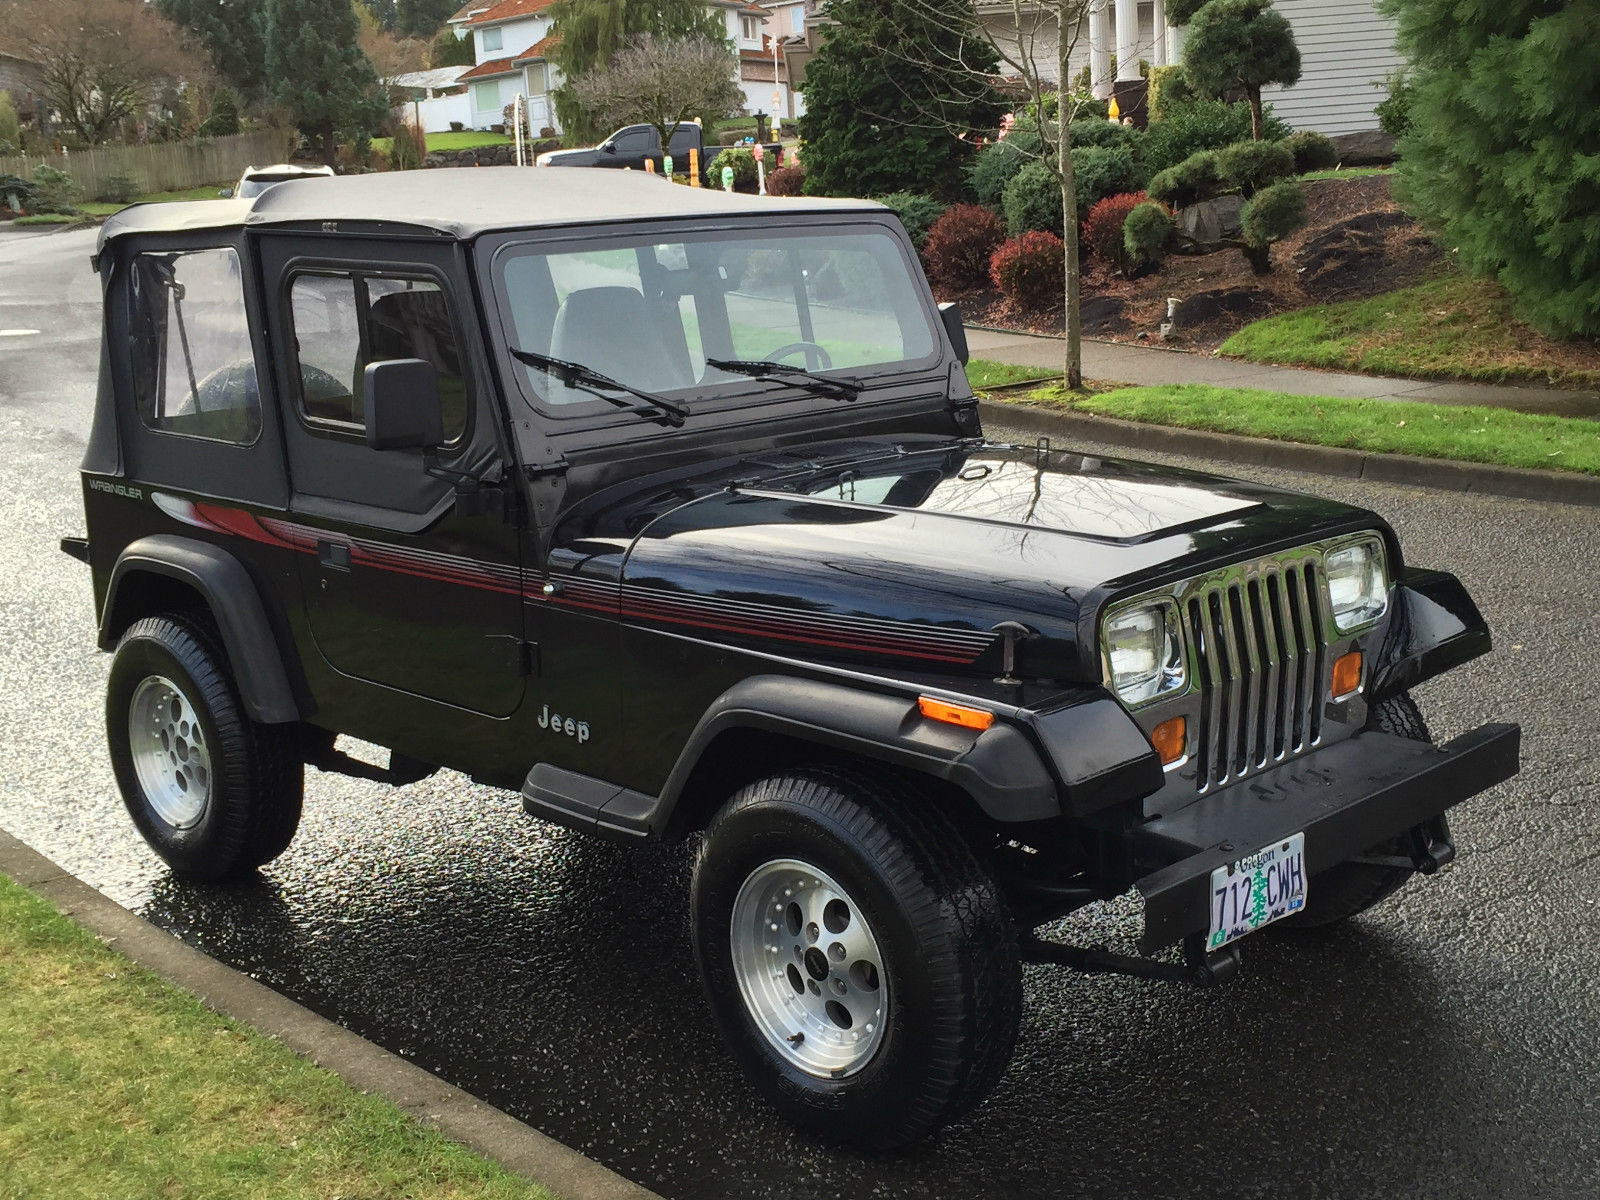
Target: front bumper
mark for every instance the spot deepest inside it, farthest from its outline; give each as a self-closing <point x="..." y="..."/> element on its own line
<point x="1345" y="798"/>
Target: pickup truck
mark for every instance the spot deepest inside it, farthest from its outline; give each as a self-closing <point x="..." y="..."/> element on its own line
<point x="631" y="145"/>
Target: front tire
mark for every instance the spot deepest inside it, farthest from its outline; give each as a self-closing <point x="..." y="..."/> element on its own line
<point x="214" y="793"/>
<point x="857" y="957"/>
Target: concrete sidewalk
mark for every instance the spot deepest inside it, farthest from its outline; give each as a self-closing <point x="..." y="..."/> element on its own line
<point x="1145" y="365"/>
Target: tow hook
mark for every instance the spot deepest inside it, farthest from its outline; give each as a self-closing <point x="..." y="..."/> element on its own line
<point x="1199" y="967"/>
<point x="1431" y="845"/>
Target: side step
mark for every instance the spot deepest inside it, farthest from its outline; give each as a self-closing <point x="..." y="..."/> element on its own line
<point x="590" y="804"/>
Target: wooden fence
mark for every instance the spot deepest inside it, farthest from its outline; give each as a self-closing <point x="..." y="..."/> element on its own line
<point x="161" y="166"/>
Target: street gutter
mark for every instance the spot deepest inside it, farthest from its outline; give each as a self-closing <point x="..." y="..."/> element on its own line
<point x="463" y="1118"/>
<point x="1444" y="474"/>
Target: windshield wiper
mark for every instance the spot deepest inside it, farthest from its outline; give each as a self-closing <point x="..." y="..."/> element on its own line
<point x="587" y="379"/>
<point x="839" y="389"/>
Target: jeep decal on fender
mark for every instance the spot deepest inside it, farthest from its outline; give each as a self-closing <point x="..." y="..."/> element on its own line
<point x="570" y="726"/>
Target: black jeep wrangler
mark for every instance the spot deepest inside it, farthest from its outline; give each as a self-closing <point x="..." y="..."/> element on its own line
<point x="671" y="510"/>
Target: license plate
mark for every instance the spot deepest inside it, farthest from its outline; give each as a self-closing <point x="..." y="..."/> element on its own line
<point x="1258" y="889"/>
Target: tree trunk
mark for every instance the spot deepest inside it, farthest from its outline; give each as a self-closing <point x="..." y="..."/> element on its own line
<point x="1254" y="95"/>
<point x="329" y="149"/>
<point x="1072" y="366"/>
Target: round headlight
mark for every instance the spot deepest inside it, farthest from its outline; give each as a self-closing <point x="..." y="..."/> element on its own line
<point x="1358" y="587"/>
<point x="1144" y="652"/>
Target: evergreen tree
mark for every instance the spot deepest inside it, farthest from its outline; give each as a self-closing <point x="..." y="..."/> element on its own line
<point x="890" y="93"/>
<point x="318" y="71"/>
<point x="383" y="12"/>
<point x="420" y="18"/>
<point x="1244" y="44"/>
<point x="593" y="31"/>
<point x="233" y="33"/>
<point x="447" y="50"/>
<point x="1502" y="149"/>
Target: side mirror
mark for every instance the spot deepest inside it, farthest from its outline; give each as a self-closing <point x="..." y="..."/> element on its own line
<point x="226" y="193"/>
<point x="403" y="408"/>
<point x="609" y="147"/>
<point x="950" y="314"/>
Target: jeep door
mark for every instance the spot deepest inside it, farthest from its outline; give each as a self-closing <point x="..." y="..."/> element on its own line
<point x="400" y="588"/>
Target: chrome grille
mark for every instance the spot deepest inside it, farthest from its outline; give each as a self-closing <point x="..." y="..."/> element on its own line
<point x="1260" y="652"/>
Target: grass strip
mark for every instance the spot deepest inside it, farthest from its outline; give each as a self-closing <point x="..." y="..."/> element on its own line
<point x="982" y="373"/>
<point x="1479" y="435"/>
<point x="1451" y="328"/>
<point x="104" y="208"/>
<point x="455" y="139"/>
<point x="46" y="219"/>
<point x="114" y="1083"/>
<point x="1344" y="173"/>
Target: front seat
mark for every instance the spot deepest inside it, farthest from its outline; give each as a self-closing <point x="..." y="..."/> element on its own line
<point x="612" y="330"/>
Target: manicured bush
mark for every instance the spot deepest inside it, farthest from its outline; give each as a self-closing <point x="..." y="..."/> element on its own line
<point x="54" y="191"/>
<point x="1394" y="110"/>
<point x="917" y="212"/>
<point x="1196" y="178"/>
<point x="1170" y="87"/>
<point x="1312" y="151"/>
<point x="1274" y="213"/>
<point x="1145" y="235"/>
<point x="1248" y="167"/>
<point x="1028" y="270"/>
<point x="1103" y="133"/>
<point x="1102" y="228"/>
<point x="1197" y="125"/>
<point x="120" y="188"/>
<point x="1241" y="45"/>
<point x="786" y="181"/>
<point x="1101" y="171"/>
<point x="743" y="162"/>
<point x="1032" y="200"/>
<point x="995" y="166"/>
<point x="960" y="245"/>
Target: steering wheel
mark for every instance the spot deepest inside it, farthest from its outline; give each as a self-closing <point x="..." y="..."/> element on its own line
<point x="807" y="348"/>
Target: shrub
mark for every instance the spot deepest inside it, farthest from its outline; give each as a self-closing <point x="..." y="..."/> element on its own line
<point x="1197" y="125"/>
<point x="121" y="188"/>
<point x="1241" y="45"/>
<point x="960" y="245"/>
<point x="1312" y="151"/>
<point x="1250" y="166"/>
<point x="1101" y="171"/>
<point x="16" y="193"/>
<point x="1103" y="133"/>
<point x="1170" y="87"/>
<point x="1274" y="213"/>
<point x="1032" y="200"/>
<point x="916" y="211"/>
<point x="1102" y="228"/>
<point x="786" y="181"/>
<point x="1196" y="178"/>
<point x="743" y="163"/>
<point x="408" y="147"/>
<point x="54" y="191"/>
<point x="223" y="119"/>
<point x="1394" y="110"/>
<point x="995" y="166"/>
<point x="457" y="126"/>
<point x="1145" y="235"/>
<point x="1028" y="270"/>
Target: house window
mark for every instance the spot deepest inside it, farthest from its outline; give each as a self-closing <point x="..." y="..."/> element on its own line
<point x="494" y="39"/>
<point x="194" y="366"/>
<point x="486" y="96"/>
<point x="797" y="19"/>
<point x="538" y="83"/>
<point x="750" y="28"/>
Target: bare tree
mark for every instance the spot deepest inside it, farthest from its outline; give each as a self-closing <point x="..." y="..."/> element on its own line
<point x="101" y="61"/>
<point x="1034" y="40"/>
<point x="662" y="83"/>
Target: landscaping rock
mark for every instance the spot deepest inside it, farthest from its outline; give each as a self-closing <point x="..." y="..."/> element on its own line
<point x="1369" y="148"/>
<point x="1236" y="306"/>
<point x="1358" y="256"/>
<point x="1204" y="228"/>
<point x="1103" y="315"/>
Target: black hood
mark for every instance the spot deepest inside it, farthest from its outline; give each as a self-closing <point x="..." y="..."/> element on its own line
<point x="913" y="553"/>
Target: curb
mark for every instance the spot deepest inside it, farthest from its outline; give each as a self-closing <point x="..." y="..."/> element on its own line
<point x="1443" y="474"/>
<point x="461" y="1117"/>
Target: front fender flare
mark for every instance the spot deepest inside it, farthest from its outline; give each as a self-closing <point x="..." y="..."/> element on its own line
<point x="1436" y="626"/>
<point x="235" y="604"/>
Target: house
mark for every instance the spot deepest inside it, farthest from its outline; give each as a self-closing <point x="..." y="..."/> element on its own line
<point x="785" y="24"/>
<point x="512" y="40"/>
<point x="434" y="99"/>
<point x="20" y="77"/>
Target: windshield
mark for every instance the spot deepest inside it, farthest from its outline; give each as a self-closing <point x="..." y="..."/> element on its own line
<point x="652" y="314"/>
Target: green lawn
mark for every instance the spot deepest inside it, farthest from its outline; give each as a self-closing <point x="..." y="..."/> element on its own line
<point x="116" y="1084"/>
<point x="984" y="374"/>
<point x="1452" y="328"/>
<point x="467" y="139"/>
<point x="46" y="219"/>
<point x="1480" y="435"/>
<point x="104" y="208"/>
<point x="1345" y="173"/>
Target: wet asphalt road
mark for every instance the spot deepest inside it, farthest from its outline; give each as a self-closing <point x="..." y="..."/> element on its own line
<point x="1446" y="1045"/>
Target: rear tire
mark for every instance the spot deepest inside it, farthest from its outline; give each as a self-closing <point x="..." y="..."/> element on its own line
<point x="1351" y="888"/>
<point x="214" y="793"/>
<point x="826" y="904"/>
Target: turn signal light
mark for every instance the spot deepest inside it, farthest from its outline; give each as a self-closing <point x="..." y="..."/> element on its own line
<point x="1169" y="738"/>
<point x="954" y="714"/>
<point x="1346" y="674"/>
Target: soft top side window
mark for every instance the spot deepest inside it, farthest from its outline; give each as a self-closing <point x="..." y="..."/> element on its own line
<point x="194" y="369"/>
<point x="345" y="321"/>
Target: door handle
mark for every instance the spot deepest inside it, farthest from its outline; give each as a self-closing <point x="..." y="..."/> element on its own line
<point x="334" y="556"/>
